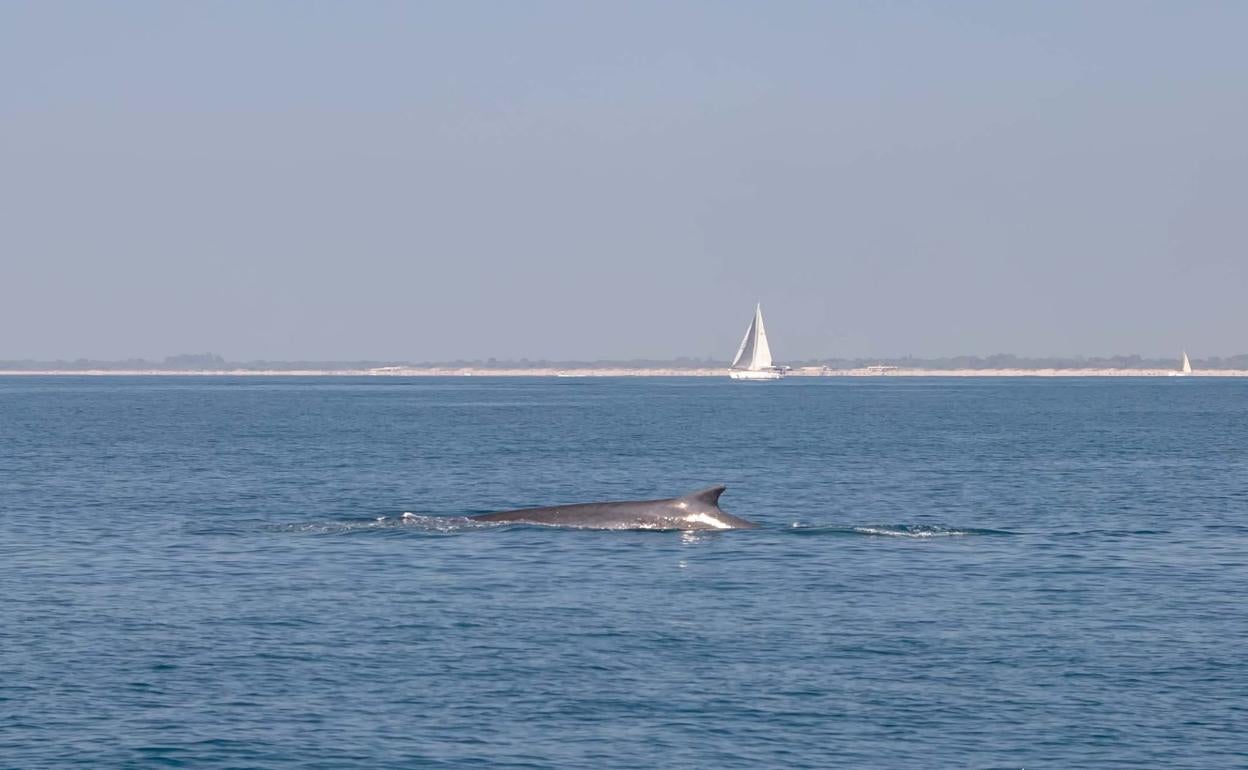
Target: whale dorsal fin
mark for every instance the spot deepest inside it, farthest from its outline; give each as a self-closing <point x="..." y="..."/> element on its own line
<point x="710" y="495"/>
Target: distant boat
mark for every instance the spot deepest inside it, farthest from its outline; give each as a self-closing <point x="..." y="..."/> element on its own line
<point x="753" y="360"/>
<point x="1187" y="367"/>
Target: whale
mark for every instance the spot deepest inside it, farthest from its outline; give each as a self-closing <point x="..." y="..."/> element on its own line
<point x="699" y="510"/>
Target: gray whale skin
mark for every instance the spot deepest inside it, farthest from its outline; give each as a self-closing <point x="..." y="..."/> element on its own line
<point x="699" y="510"/>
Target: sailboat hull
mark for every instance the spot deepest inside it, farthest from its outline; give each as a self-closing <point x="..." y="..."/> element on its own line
<point x="747" y="374"/>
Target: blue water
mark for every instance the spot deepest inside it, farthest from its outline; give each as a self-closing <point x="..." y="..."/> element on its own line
<point x="217" y="572"/>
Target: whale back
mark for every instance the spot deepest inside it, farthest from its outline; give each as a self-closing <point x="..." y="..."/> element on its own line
<point x="697" y="510"/>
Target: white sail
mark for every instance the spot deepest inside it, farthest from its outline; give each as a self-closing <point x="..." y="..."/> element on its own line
<point x="754" y="353"/>
<point x="745" y="353"/>
<point x="762" y="351"/>
<point x="1187" y="365"/>
<point x="753" y="359"/>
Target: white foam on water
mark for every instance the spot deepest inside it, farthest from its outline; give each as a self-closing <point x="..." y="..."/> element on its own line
<point x="413" y="522"/>
<point x="910" y="531"/>
<point x="916" y="532"/>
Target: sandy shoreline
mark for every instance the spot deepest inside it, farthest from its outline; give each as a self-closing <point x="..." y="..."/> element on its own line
<point x="616" y="372"/>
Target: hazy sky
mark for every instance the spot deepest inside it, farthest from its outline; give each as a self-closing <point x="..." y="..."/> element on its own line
<point x="425" y="181"/>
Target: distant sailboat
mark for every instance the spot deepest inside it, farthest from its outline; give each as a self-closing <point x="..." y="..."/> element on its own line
<point x="1187" y="367"/>
<point x="753" y="360"/>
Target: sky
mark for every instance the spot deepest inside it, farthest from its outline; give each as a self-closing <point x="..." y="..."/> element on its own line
<point x="566" y="180"/>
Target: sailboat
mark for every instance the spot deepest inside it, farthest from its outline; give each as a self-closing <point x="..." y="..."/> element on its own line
<point x="753" y="361"/>
<point x="1187" y="367"/>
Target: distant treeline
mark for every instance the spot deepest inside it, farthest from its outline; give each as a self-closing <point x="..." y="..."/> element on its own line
<point x="213" y="362"/>
<point x="189" y="362"/>
<point x="1009" y="361"/>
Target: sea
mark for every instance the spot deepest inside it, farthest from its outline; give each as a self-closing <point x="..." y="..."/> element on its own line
<point x="273" y="572"/>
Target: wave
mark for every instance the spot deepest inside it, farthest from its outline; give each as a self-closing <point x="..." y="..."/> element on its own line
<point x="1119" y="533"/>
<point x="915" y="531"/>
<point x="407" y="522"/>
